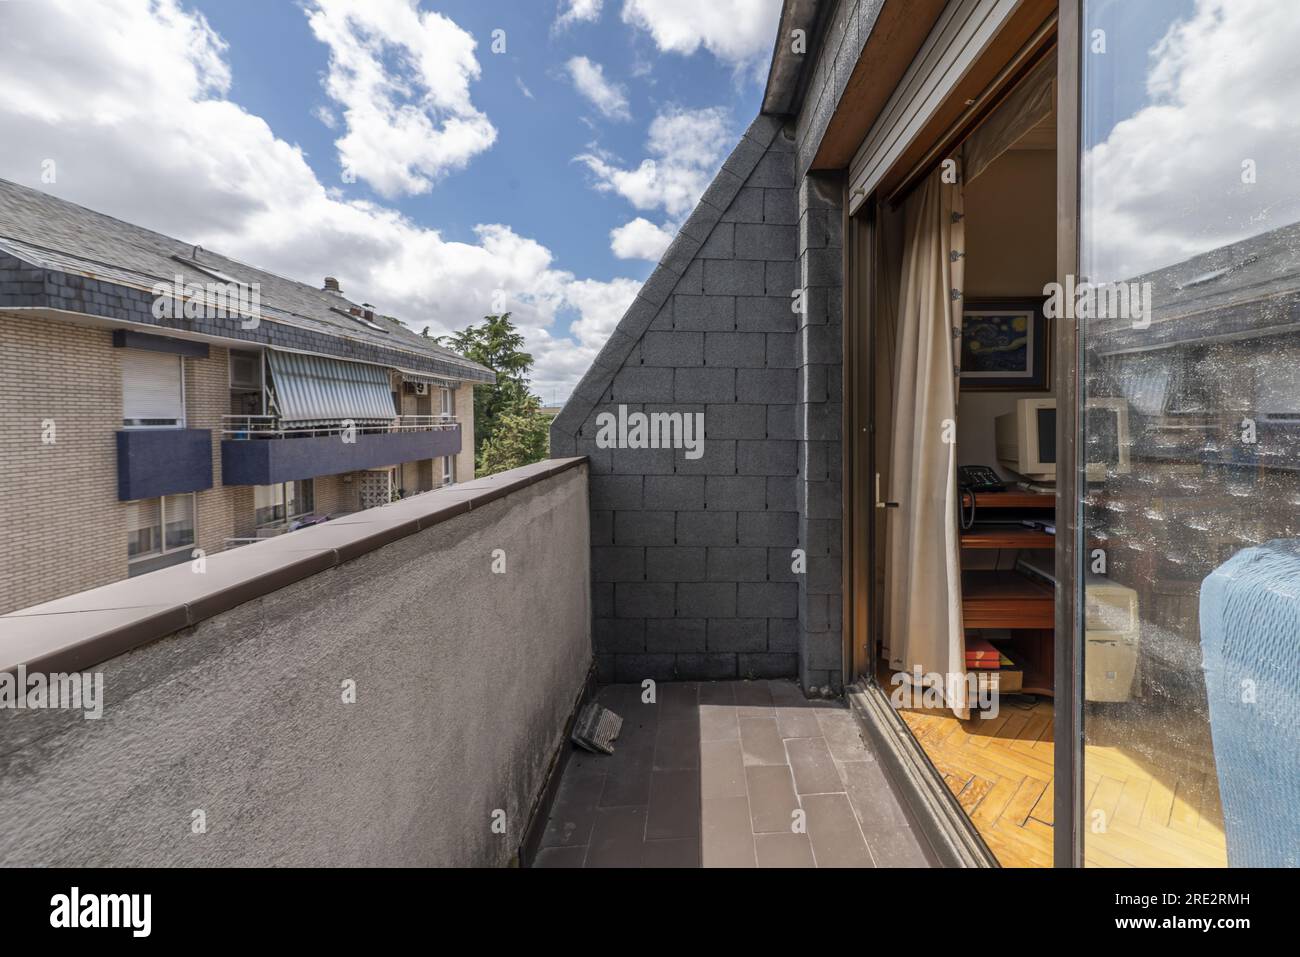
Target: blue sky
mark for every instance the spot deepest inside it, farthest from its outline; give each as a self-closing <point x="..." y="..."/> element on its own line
<point x="386" y="143"/>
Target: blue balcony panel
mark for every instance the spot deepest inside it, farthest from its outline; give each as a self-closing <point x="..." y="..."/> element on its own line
<point x="268" y="461"/>
<point x="153" y="462"/>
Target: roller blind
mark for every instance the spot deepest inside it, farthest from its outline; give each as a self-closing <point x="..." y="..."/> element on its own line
<point x="151" y="388"/>
<point x="315" y="390"/>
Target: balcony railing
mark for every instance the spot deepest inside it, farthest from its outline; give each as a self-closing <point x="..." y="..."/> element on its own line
<point x="241" y="427"/>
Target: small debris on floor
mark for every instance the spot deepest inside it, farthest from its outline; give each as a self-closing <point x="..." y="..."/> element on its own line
<point x="596" y="728"/>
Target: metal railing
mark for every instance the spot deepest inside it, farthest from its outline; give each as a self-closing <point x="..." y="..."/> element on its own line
<point x="269" y="427"/>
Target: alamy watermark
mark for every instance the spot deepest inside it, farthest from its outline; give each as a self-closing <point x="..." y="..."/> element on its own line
<point x="933" y="689"/>
<point x="1103" y="300"/>
<point x="210" y="300"/>
<point x="81" y="691"/>
<point x="651" y="430"/>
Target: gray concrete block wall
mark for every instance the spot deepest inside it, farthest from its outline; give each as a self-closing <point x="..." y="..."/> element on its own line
<point x="691" y="557"/>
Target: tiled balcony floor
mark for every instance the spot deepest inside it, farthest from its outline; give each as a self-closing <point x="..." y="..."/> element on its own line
<point x="713" y="773"/>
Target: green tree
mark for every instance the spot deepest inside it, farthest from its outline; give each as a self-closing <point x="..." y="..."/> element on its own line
<point x="509" y="428"/>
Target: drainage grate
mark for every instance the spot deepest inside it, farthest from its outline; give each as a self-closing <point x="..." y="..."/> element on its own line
<point x="596" y="728"/>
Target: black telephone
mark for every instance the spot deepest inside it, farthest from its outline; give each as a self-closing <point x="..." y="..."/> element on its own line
<point x="974" y="478"/>
<point x="978" y="478"/>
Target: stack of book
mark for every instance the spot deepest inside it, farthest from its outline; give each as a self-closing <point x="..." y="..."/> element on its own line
<point x="981" y="655"/>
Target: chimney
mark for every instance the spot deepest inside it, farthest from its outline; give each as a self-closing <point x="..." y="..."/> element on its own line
<point x="369" y="312"/>
<point x="332" y="285"/>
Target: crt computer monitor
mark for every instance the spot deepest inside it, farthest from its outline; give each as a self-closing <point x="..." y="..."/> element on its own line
<point x="1026" y="439"/>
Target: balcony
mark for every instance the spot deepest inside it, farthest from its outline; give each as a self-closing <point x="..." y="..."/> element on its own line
<point x="154" y="462"/>
<point x="256" y="450"/>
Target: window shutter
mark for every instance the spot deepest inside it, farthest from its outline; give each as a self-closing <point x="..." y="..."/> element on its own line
<point x="151" y="386"/>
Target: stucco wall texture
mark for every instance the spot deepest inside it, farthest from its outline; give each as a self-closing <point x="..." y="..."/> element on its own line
<point x="464" y="681"/>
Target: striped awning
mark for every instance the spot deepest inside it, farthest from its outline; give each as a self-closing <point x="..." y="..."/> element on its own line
<point x="314" y="390"/>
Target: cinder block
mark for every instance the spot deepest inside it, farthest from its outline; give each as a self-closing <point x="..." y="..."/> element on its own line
<point x="765" y="599"/>
<point x="721" y="243"/>
<point x="674" y="492"/>
<point x="659" y="286"/>
<point x="781" y="350"/>
<point x="780" y="564"/>
<point x="744" y="157"/>
<point x="737" y="634"/>
<point x="643" y="384"/>
<point x="615" y="491"/>
<point x="726" y="277"/>
<point x="674" y="564"/>
<point x="774" y="170"/>
<point x="706" y="528"/>
<point x="766" y="314"/>
<point x="735" y="349"/>
<point x="820" y="345"/>
<point x="692" y="281"/>
<point x="747" y="207"/>
<point x="781" y="421"/>
<point x="766" y="457"/>
<point x="644" y="599"/>
<point x="824" y="500"/>
<point x="773" y="386"/>
<point x="730" y="421"/>
<point x="617" y="564"/>
<point x="605" y="668"/>
<point x="701" y="221"/>
<point x="780" y="206"/>
<point x="783" y="635"/>
<point x="718" y="458"/>
<point x="779" y="529"/>
<point x="738" y="493"/>
<point x="704" y="313"/>
<point x="633" y="669"/>
<point x="674" y="349"/>
<point x="824" y="573"/>
<point x="644" y="528"/>
<point x="618" y="635"/>
<point x="766" y="241"/>
<point x="602" y="599"/>
<point x="675" y="635"/>
<point x="782" y="493"/>
<point x="823" y="651"/>
<point x="641" y="461"/>
<point x="722" y="190"/>
<point x="706" y="599"/>
<point x="705" y="384"/>
<point x="767" y="665"/>
<point x="736" y="564"/>
<point x="707" y="667"/>
<point x="823" y="537"/>
<point x="781" y="278"/>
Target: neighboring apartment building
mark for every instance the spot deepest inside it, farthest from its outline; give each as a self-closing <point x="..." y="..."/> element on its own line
<point x="139" y="427"/>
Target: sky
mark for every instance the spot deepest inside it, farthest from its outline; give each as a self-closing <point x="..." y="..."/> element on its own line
<point x="445" y="159"/>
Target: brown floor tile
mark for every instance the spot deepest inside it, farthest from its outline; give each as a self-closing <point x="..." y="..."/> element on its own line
<point x="772" y="800"/>
<point x="726" y="838"/>
<point x="814" y="768"/>
<point x="677" y="853"/>
<point x="799" y="722"/>
<point x="674" y="805"/>
<point x="722" y="770"/>
<point x="717" y="692"/>
<point x="678" y="743"/>
<point x="627" y="777"/>
<point x="561" y="856"/>
<point x="833" y="830"/>
<point x="841" y="733"/>
<point x="574" y="809"/>
<point x="784" y="850"/>
<point x="754" y="699"/>
<point x="718" y="723"/>
<point x="890" y="836"/>
<point x="617" y="837"/>
<point x="678" y="699"/>
<point x="760" y="743"/>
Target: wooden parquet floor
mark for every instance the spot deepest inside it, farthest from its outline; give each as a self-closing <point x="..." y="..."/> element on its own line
<point x="1136" y="815"/>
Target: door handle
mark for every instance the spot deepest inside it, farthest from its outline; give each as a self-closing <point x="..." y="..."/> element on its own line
<point x="879" y="503"/>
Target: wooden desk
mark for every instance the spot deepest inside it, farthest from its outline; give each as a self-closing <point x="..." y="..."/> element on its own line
<point x="1006" y="536"/>
<point x="1006" y="600"/>
<point x="1034" y="500"/>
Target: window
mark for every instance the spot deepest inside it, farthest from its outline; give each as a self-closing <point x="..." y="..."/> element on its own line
<point x="273" y="504"/>
<point x="245" y="382"/>
<point x="156" y="526"/>
<point x="448" y="403"/>
<point x="448" y="470"/>
<point x="153" y="390"/>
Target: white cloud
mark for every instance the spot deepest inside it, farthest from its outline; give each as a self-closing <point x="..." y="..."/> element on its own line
<point x="589" y="79"/>
<point x="1166" y="183"/>
<point x="101" y="88"/>
<point x="640" y="239"/>
<point x="523" y="88"/>
<point x="575" y="11"/>
<point x="401" y="78"/>
<point x="686" y="148"/>
<point x="738" y="32"/>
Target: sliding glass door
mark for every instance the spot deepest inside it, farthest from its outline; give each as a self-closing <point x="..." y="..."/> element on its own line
<point x="1187" y="477"/>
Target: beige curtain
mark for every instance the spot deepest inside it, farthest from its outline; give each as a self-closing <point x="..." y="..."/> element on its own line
<point x="923" y="623"/>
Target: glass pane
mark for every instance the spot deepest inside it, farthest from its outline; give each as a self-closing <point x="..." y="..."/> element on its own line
<point x="178" y="513"/>
<point x="1189" y="319"/>
<point x="143" y="528"/>
<point x="268" y="504"/>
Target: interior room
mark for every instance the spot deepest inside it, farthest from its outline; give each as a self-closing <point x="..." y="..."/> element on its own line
<point x="966" y="573"/>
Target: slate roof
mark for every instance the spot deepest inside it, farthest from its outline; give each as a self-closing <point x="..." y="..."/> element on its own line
<point x="54" y="234"/>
